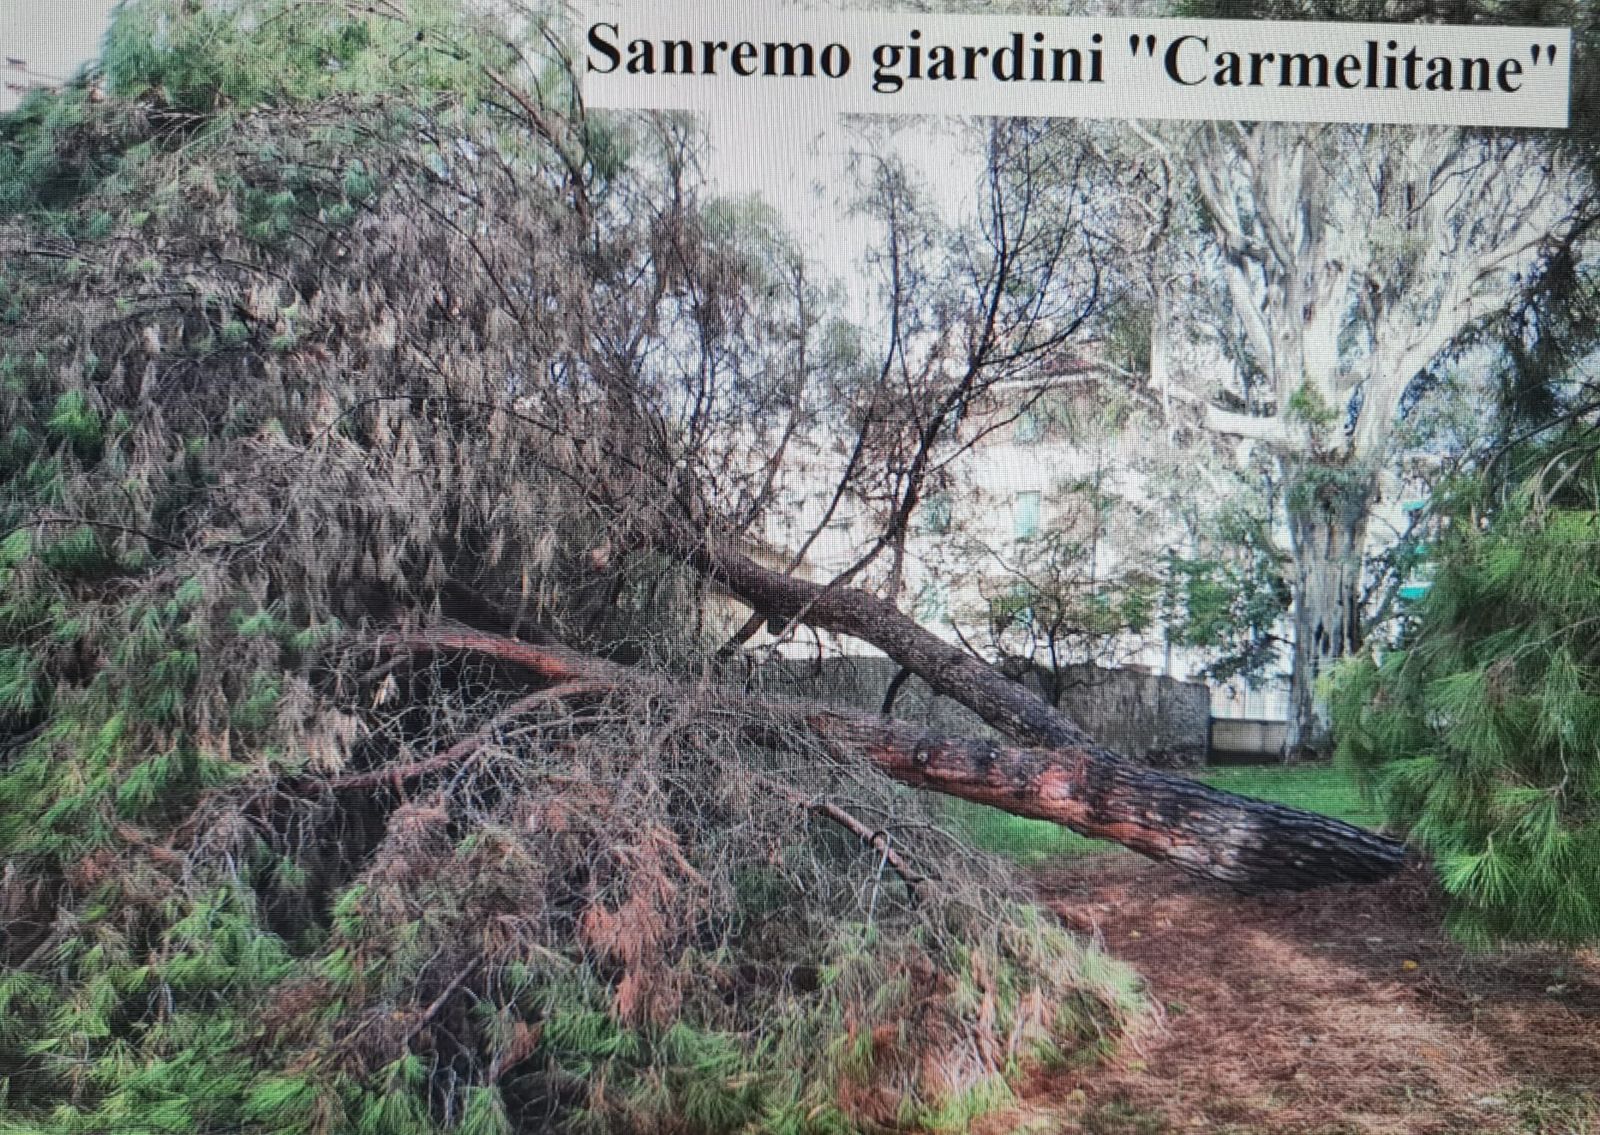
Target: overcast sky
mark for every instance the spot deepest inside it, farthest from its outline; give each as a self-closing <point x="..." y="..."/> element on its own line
<point x="54" y="38"/>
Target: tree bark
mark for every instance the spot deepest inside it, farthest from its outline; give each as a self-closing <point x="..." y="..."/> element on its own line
<point x="1250" y="845"/>
<point x="1247" y="844"/>
<point x="1328" y="507"/>
<point x="1010" y="707"/>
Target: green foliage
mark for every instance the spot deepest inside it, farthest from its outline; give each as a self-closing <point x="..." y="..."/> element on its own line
<point x="1308" y="406"/>
<point x="959" y="1112"/>
<point x="36" y="172"/>
<point x="1482" y="729"/>
<point x="1337" y="493"/>
<point x="1052" y="603"/>
<point x="77" y="422"/>
<point x="1229" y="602"/>
<point x="1128" y="335"/>
<point x="80" y="552"/>
<point x="197" y="67"/>
<point x="201" y="59"/>
<point x="214" y="492"/>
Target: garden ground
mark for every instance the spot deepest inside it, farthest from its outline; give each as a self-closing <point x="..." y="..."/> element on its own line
<point x="1347" y="1011"/>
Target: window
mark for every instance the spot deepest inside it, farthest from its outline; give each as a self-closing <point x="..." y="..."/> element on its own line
<point x="1025" y="515"/>
<point x="1029" y="427"/>
<point x="936" y="513"/>
<point x="933" y="603"/>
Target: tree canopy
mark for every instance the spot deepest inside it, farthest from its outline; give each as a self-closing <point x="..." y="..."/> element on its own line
<point x="321" y="330"/>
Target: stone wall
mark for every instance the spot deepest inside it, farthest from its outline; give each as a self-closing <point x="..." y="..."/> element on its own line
<point x="1150" y="718"/>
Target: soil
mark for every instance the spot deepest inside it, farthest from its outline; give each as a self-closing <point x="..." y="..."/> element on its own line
<point x="1332" y="1012"/>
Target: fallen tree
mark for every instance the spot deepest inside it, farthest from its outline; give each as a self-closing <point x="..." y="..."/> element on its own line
<point x="308" y="378"/>
<point x="1248" y="844"/>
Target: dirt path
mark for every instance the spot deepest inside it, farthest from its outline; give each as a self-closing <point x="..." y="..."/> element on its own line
<point x="1336" y="1012"/>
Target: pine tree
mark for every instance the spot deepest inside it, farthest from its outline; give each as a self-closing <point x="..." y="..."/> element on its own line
<point x="222" y="455"/>
<point x="1482" y="731"/>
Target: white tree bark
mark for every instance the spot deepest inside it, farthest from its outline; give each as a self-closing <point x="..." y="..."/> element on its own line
<point x="1354" y="258"/>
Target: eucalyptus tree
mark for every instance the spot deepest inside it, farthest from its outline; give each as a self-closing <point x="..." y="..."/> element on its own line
<point x="1349" y="261"/>
<point x="1437" y="205"/>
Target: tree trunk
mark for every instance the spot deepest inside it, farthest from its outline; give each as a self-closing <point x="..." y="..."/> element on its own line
<point x="1247" y="844"/>
<point x="1328" y="508"/>
<point x="1010" y="707"/>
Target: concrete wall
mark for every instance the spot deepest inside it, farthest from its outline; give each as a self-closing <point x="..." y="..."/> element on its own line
<point x="861" y="682"/>
<point x="1242" y="737"/>
<point x="1148" y="717"/>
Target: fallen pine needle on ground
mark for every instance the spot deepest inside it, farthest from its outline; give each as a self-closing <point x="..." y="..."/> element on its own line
<point x="1347" y="1011"/>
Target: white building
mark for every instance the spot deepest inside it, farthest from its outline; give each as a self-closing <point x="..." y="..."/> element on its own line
<point x="1025" y="488"/>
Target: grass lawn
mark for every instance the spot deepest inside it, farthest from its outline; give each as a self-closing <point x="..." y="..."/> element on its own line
<point x="1316" y="788"/>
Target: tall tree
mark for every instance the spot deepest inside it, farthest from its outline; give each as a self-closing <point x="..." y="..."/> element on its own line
<point x="1352" y="259"/>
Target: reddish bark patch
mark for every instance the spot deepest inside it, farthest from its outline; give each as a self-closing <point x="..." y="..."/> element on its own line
<point x="1346" y="1010"/>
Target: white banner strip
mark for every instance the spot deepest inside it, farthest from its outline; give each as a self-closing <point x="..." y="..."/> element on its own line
<point x="757" y="58"/>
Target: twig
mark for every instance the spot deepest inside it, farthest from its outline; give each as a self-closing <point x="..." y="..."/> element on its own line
<point x="876" y="839"/>
<point x="397" y="774"/>
<point x="432" y="1010"/>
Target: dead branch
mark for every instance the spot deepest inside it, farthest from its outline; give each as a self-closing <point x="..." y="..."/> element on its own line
<point x="395" y="775"/>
